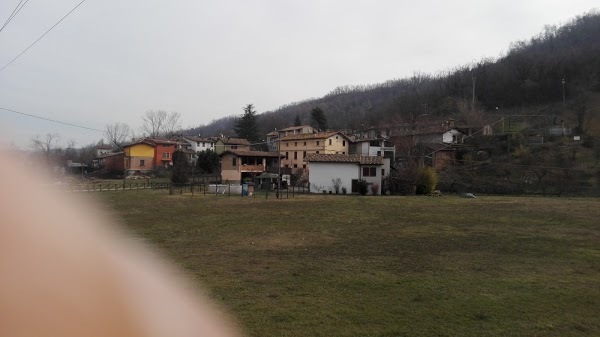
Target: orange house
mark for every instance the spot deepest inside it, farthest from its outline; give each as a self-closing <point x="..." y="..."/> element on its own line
<point x="164" y="148"/>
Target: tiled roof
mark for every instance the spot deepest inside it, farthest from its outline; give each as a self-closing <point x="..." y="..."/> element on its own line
<point x="320" y="135"/>
<point x="235" y="141"/>
<point x="243" y="153"/>
<point x="344" y="158"/>
<point x="200" y="139"/>
<point x="295" y="128"/>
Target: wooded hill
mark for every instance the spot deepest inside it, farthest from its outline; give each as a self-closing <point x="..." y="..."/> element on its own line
<point x="528" y="76"/>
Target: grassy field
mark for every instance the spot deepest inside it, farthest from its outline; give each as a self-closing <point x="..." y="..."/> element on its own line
<point x="383" y="266"/>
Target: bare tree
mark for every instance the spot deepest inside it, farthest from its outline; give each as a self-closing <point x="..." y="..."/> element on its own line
<point x="117" y="133"/>
<point x="160" y="123"/>
<point x="45" y="145"/>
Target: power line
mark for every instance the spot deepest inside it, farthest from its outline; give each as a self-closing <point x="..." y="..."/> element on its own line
<point x="51" y="120"/>
<point x="14" y="13"/>
<point x="39" y="38"/>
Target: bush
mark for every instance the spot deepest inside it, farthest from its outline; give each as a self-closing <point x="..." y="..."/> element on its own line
<point x="337" y="182"/>
<point x="426" y="181"/>
<point x="344" y="190"/>
<point x="363" y="187"/>
<point x="374" y="188"/>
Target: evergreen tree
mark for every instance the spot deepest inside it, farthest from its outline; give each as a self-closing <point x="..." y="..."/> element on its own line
<point x="208" y="162"/>
<point x="297" y="122"/>
<point x="180" y="168"/>
<point x="317" y="115"/>
<point x="246" y="126"/>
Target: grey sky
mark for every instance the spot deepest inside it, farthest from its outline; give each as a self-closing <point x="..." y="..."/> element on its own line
<point x="110" y="61"/>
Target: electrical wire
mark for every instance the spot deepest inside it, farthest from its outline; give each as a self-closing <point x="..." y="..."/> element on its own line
<point x="51" y="120"/>
<point x="14" y="13"/>
<point x="39" y="38"/>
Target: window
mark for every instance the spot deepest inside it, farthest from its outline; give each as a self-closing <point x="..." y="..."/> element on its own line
<point x="304" y="143"/>
<point x="295" y="155"/>
<point x="286" y="155"/>
<point x="203" y="144"/>
<point x="234" y="162"/>
<point x="304" y="167"/>
<point x="142" y="162"/>
<point x="317" y="152"/>
<point x="166" y="155"/>
<point x="197" y="144"/>
<point x="287" y="166"/>
<point x="374" y="143"/>
<point x="317" y="143"/>
<point x="330" y="142"/>
<point x="343" y="152"/>
<point x="383" y="172"/>
<point x="287" y="144"/>
<point x="343" y="143"/>
<point x="336" y="137"/>
<point x="304" y="154"/>
<point x="165" y="145"/>
<point x="369" y="171"/>
<point x="234" y="147"/>
<point x="378" y="153"/>
<point x="295" y="165"/>
<point x="295" y="143"/>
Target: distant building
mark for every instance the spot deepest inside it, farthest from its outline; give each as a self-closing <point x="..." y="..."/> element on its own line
<point x="324" y="168"/>
<point x="296" y="147"/>
<point x="102" y="150"/>
<point x="236" y="165"/>
<point x="292" y="130"/>
<point x="227" y="143"/>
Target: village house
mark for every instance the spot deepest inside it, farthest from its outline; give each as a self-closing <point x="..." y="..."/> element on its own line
<point x="292" y="130"/>
<point x="139" y="156"/>
<point x="296" y="147"/>
<point x="199" y="144"/>
<point x="349" y="168"/>
<point x="113" y="162"/>
<point x="224" y="144"/>
<point x="102" y="150"/>
<point x="237" y="165"/>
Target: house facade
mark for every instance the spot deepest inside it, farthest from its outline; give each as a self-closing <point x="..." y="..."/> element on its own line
<point x="139" y="156"/>
<point x="164" y="148"/>
<point x="225" y="144"/>
<point x="102" y="150"/>
<point x="324" y="168"/>
<point x="236" y="165"/>
<point x="296" y="148"/>
<point x="111" y="162"/>
<point x="199" y="144"/>
<point x="292" y="130"/>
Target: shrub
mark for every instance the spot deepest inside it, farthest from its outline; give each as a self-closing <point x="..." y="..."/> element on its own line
<point x="363" y="187"/>
<point x="337" y="183"/>
<point x="426" y="181"/>
<point x="374" y="188"/>
<point x="344" y="190"/>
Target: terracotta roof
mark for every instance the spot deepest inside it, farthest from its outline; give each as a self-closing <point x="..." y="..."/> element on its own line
<point x="200" y="139"/>
<point x="235" y="141"/>
<point x="244" y="153"/>
<point x="344" y="158"/>
<point x="320" y="135"/>
<point x="161" y="141"/>
<point x="296" y="127"/>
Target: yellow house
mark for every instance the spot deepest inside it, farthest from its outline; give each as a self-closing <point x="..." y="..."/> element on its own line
<point x="139" y="156"/>
<point x="295" y="148"/>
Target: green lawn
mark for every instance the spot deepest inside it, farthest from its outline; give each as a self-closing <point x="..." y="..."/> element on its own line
<point x="383" y="266"/>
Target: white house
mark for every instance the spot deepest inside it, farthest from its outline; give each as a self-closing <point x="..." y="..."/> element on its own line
<point x="349" y="168"/>
<point x="199" y="144"/>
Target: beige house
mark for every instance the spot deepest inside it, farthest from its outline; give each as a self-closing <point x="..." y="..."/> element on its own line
<point x="239" y="164"/>
<point x="224" y="144"/>
<point x="292" y="130"/>
<point x="295" y="148"/>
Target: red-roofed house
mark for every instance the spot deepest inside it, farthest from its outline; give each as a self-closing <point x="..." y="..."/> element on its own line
<point x="324" y="168"/>
<point x="239" y="164"/>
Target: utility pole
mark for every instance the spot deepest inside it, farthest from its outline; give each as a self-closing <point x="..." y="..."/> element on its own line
<point x="563" y="90"/>
<point x="278" y="165"/>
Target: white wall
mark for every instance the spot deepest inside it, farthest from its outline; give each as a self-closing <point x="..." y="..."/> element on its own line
<point x="321" y="174"/>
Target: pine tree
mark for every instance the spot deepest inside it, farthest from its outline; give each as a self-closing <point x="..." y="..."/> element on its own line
<point x="297" y="122"/>
<point x="208" y="161"/>
<point x="180" y="168"/>
<point x="246" y="126"/>
<point x="317" y="115"/>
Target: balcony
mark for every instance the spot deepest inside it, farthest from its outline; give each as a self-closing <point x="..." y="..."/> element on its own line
<point x="251" y="168"/>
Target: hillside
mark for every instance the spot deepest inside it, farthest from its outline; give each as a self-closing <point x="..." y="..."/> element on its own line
<point x="528" y="78"/>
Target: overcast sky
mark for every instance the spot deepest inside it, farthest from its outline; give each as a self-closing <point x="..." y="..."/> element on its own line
<point x="112" y="60"/>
